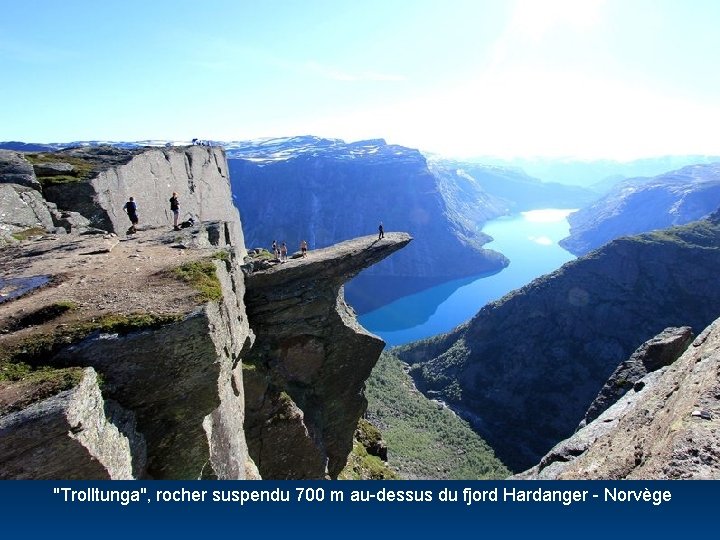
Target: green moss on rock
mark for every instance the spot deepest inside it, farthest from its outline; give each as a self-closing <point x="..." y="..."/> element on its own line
<point x="36" y="349"/>
<point x="363" y="466"/>
<point x="82" y="169"/>
<point x="28" y="233"/>
<point x="201" y="276"/>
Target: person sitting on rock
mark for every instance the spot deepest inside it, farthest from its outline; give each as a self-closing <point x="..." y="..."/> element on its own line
<point x="131" y="209"/>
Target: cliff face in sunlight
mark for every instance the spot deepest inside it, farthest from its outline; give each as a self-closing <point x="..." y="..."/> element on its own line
<point x="122" y="355"/>
<point x="325" y="191"/>
<point x="306" y="373"/>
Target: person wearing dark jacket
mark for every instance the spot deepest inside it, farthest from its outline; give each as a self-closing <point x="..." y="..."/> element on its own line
<point x="131" y="209"/>
<point x="175" y="209"/>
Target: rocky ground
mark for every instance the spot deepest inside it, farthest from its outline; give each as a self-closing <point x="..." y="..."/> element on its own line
<point x="101" y="274"/>
<point x="82" y="278"/>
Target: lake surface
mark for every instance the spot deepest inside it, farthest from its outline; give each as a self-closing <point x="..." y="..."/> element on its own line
<point x="529" y="240"/>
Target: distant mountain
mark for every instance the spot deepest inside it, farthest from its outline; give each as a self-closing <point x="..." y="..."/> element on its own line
<point x="29" y="147"/>
<point x="326" y="190"/>
<point x="518" y="189"/>
<point x="599" y="175"/>
<point x="525" y="369"/>
<point x="645" y="204"/>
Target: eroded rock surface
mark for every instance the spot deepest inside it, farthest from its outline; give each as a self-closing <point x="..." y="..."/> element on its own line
<point x="305" y="375"/>
<point x="72" y="435"/>
<point x="668" y="427"/>
<point x="177" y="367"/>
<point x="662" y="350"/>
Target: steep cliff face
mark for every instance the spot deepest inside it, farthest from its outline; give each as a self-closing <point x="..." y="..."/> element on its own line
<point x="644" y="204"/>
<point x="305" y="375"/>
<point x="160" y="317"/>
<point x="72" y="435"/>
<point x="665" y="427"/>
<point x="168" y="354"/>
<point x="525" y="369"/>
<point x="149" y="176"/>
<point x="325" y="191"/>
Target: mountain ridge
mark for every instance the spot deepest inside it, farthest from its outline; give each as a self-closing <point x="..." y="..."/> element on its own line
<point x="639" y="205"/>
<point x="525" y="368"/>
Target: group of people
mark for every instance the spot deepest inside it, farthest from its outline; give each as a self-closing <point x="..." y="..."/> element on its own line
<point x="280" y="251"/>
<point x="198" y="142"/>
<point x="131" y="210"/>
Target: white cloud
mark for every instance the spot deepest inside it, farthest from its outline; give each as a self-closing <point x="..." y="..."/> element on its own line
<point x="528" y="112"/>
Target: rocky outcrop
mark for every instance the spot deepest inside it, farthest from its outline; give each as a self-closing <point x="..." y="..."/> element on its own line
<point x="160" y="316"/>
<point x="325" y="191"/>
<point x="70" y="436"/>
<point x="22" y="208"/>
<point x="305" y="374"/>
<point x="525" y="369"/>
<point x="181" y="379"/>
<point x="149" y="176"/>
<point x="15" y="169"/>
<point x="644" y="204"/>
<point x="662" y="350"/>
<point x="166" y="354"/>
<point x="666" y="427"/>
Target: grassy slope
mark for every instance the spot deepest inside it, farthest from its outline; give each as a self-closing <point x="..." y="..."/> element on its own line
<point x="424" y="440"/>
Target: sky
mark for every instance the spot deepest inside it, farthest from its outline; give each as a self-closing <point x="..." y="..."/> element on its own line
<point x="588" y="79"/>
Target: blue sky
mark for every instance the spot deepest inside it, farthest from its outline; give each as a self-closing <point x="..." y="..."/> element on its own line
<point x="578" y="78"/>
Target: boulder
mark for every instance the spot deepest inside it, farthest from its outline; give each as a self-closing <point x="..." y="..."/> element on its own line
<point x="660" y="351"/>
<point x="15" y="169"/>
<point x="22" y="208"/>
<point x="666" y="428"/>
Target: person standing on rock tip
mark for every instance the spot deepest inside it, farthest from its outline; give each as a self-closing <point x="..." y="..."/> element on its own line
<point x="175" y="209"/>
<point x="283" y="252"/>
<point x="276" y="251"/>
<point x="304" y="248"/>
<point x="381" y="231"/>
<point x="131" y="209"/>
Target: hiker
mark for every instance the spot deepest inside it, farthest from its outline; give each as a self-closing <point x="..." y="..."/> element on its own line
<point x="283" y="252"/>
<point x="131" y="209"/>
<point x="304" y="248"/>
<point x="381" y="231"/>
<point x="175" y="209"/>
<point x="275" y="250"/>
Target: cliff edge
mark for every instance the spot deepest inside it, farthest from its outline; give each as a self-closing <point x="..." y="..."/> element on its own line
<point x="305" y="375"/>
<point x="122" y="355"/>
<point x="158" y="316"/>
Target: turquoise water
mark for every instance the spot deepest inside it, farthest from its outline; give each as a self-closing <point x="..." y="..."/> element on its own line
<point x="529" y="240"/>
